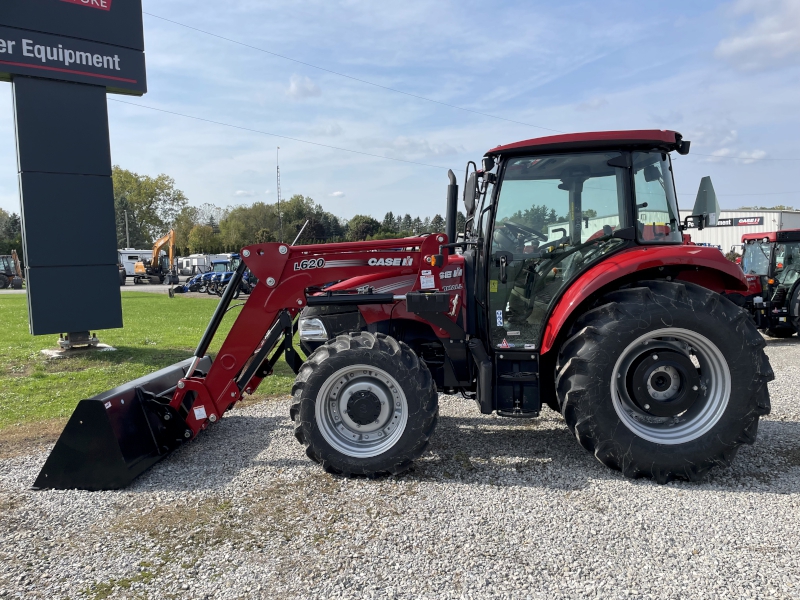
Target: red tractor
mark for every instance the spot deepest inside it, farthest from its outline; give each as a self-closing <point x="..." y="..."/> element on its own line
<point x="771" y="263"/>
<point x="571" y="287"/>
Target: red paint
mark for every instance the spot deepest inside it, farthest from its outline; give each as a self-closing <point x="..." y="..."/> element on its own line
<point x="99" y="4"/>
<point x="769" y="235"/>
<point x="44" y="68"/>
<point x="655" y="137"/>
<point x="345" y="261"/>
<point x="718" y="272"/>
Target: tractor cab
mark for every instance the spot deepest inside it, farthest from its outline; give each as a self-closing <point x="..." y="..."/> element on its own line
<point x="771" y="263"/>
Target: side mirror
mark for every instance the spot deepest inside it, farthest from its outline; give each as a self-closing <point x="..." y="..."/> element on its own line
<point x="706" y="205"/>
<point x="470" y="194"/>
<point x="487" y="163"/>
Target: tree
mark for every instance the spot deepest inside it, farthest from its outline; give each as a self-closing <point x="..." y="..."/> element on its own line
<point x="461" y="222"/>
<point x="202" y="239"/>
<point x="138" y="239"/>
<point x="406" y="224"/>
<point x="184" y="223"/>
<point x="388" y="222"/>
<point x="416" y="226"/>
<point x="437" y="224"/>
<point x="153" y="202"/>
<point x="361" y="227"/>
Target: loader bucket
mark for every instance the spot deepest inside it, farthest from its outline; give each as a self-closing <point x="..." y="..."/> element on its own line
<point x="115" y="436"/>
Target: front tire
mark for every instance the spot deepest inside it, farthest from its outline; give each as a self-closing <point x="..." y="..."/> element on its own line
<point x="365" y="405"/>
<point x="664" y="380"/>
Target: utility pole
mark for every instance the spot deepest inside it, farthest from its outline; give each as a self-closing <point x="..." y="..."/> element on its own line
<point x="280" y="217"/>
<point x="127" y="235"/>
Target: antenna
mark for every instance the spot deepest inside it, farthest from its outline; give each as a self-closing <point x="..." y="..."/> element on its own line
<point x="278" y="162"/>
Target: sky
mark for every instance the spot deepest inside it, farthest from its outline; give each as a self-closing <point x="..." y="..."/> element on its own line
<point x="724" y="74"/>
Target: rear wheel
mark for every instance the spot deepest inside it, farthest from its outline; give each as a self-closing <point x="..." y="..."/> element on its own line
<point x="365" y="405"/>
<point x="664" y="380"/>
<point x="4" y="281"/>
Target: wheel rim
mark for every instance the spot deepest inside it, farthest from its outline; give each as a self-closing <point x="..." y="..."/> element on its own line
<point x="361" y="411"/>
<point x="670" y="386"/>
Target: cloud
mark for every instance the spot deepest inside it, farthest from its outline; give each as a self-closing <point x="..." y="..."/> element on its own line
<point x="592" y="104"/>
<point x="408" y="147"/>
<point x="333" y="129"/>
<point x="771" y="38"/>
<point x="337" y="195"/>
<point x="244" y="193"/>
<point x="266" y="192"/>
<point x="743" y="157"/>
<point x="302" y="87"/>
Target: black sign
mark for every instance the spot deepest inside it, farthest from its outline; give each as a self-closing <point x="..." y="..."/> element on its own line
<point x="35" y="54"/>
<point x="99" y="42"/>
<point x="115" y="22"/>
<point x="733" y="222"/>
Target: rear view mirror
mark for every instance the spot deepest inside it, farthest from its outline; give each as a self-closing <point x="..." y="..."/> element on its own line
<point x="651" y="173"/>
<point x="706" y="204"/>
<point x="487" y="163"/>
<point x="470" y="194"/>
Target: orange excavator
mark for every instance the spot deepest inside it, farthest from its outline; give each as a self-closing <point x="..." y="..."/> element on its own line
<point x="160" y="269"/>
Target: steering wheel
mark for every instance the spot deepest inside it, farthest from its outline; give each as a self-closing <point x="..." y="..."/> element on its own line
<point x="523" y="230"/>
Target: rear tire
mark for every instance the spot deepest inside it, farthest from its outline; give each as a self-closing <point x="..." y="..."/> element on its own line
<point x="627" y="377"/>
<point x="4" y="281"/>
<point x="365" y="405"/>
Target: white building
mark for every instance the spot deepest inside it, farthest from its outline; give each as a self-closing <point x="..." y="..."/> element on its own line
<point x="734" y="223"/>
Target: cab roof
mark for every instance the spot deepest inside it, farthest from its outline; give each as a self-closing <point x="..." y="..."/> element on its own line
<point x="785" y="235"/>
<point x="597" y="140"/>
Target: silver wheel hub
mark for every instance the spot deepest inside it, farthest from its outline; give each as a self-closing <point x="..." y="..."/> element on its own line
<point x="670" y="386"/>
<point x="361" y="411"/>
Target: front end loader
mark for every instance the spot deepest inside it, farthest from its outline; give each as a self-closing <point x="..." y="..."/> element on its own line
<point x="571" y="287"/>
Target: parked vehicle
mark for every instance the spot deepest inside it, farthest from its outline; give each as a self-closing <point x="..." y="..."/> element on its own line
<point x="771" y="263"/>
<point x="10" y="271"/>
<point x="624" y="330"/>
<point x="158" y="269"/>
<point x="128" y="257"/>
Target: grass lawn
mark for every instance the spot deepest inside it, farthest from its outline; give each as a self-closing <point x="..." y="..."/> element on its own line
<point x="158" y="332"/>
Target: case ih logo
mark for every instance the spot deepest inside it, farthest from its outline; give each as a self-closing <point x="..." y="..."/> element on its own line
<point x="101" y="4"/>
<point x="743" y="221"/>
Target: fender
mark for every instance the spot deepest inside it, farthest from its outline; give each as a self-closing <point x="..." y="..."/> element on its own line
<point x="699" y="264"/>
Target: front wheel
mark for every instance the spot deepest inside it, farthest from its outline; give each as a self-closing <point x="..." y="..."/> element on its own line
<point x="365" y="405"/>
<point x="664" y="380"/>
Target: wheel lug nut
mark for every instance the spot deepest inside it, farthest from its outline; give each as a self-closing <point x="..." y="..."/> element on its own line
<point x="695" y="388"/>
<point x="655" y="356"/>
<point x="647" y="407"/>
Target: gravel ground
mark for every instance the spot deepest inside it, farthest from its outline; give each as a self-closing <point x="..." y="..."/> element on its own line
<point x="498" y="508"/>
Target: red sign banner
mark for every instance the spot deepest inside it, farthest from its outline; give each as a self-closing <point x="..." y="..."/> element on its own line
<point x="101" y="4"/>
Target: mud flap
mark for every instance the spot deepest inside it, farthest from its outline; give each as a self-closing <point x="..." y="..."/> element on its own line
<point x="115" y="436"/>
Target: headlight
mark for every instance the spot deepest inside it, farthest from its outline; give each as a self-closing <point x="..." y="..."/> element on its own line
<point x="312" y="330"/>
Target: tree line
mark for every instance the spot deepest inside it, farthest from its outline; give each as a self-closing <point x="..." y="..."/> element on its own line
<point x="154" y="205"/>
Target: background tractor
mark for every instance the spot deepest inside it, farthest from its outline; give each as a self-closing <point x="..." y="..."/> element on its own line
<point x="771" y="263"/>
<point x="561" y="292"/>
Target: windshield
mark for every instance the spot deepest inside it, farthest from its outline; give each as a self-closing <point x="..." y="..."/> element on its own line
<point x="656" y="208"/>
<point x="787" y="263"/>
<point x="554" y="216"/>
<point x="220" y="267"/>
<point x="756" y="258"/>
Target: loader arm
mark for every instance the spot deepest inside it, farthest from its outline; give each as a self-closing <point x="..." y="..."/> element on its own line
<point x="287" y="272"/>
